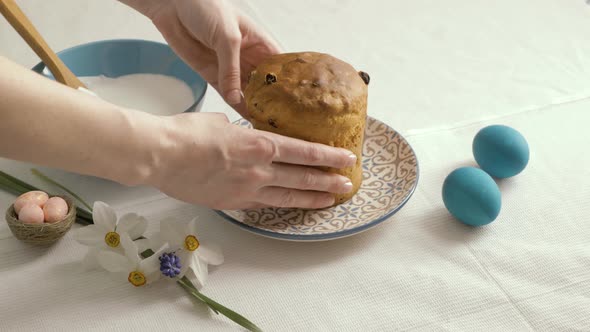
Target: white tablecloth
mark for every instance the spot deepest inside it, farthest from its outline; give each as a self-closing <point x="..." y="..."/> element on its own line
<point x="440" y="71"/>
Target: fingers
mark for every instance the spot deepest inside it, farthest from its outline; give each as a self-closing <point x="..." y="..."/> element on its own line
<point x="306" y="178"/>
<point x="293" y="198"/>
<point x="255" y="206"/>
<point x="228" y="57"/>
<point x="293" y="151"/>
<point x="254" y="31"/>
<point x="241" y="108"/>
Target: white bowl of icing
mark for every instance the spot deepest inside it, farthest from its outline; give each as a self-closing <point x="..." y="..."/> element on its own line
<point x="139" y="74"/>
<point x="153" y="93"/>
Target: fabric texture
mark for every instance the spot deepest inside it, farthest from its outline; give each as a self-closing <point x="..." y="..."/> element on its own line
<point x="440" y="71"/>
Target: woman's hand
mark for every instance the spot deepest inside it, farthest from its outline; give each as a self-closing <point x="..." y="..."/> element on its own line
<point x="203" y="159"/>
<point x="199" y="158"/>
<point x="218" y="42"/>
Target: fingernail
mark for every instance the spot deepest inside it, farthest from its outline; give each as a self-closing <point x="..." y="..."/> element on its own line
<point x="234" y="97"/>
<point x="329" y="201"/>
<point x="346" y="187"/>
<point x="351" y="159"/>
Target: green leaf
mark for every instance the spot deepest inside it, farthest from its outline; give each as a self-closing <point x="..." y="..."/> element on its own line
<point x="83" y="213"/>
<point x="12" y="187"/>
<point x="47" y="179"/>
<point x="84" y="221"/>
<point x="23" y="184"/>
<point x="17" y="187"/>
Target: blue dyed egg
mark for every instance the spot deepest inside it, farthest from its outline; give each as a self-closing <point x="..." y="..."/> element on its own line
<point x="472" y="196"/>
<point x="501" y="151"/>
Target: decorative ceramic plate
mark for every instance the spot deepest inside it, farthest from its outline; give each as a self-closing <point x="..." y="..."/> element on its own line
<point x="390" y="176"/>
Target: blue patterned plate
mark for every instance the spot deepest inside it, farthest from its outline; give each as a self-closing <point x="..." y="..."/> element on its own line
<point x="390" y="176"/>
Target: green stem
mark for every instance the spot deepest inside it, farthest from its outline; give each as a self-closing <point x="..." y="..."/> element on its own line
<point x="216" y="307"/>
<point x="147" y="253"/>
<point x="188" y="286"/>
<point x="47" y="179"/>
<point x="194" y="292"/>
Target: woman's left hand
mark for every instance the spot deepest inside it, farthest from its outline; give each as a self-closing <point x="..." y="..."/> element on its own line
<point x="217" y="41"/>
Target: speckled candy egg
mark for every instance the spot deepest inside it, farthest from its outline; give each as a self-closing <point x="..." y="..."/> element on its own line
<point x="501" y="151"/>
<point x="32" y="197"/>
<point x="472" y="196"/>
<point x="55" y="209"/>
<point x="31" y="214"/>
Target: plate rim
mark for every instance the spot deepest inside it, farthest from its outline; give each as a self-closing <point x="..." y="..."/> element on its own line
<point x="338" y="234"/>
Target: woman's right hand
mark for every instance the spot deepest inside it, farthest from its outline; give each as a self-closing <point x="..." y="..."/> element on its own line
<point x="199" y="158"/>
<point x="205" y="160"/>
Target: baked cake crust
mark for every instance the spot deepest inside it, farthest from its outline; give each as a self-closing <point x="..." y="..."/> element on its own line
<point x="314" y="97"/>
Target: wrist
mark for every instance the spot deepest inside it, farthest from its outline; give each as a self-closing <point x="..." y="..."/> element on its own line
<point x="159" y="145"/>
<point x="179" y="146"/>
<point x="141" y="161"/>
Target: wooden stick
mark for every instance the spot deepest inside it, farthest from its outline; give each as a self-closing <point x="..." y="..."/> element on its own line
<point x="27" y="31"/>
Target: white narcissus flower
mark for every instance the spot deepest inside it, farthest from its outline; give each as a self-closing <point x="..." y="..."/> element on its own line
<point x="106" y="232"/>
<point x="138" y="271"/>
<point x="194" y="256"/>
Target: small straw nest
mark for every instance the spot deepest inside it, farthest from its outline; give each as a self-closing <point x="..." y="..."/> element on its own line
<point x="41" y="234"/>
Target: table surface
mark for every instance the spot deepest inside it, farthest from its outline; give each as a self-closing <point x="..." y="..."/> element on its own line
<point x="440" y="71"/>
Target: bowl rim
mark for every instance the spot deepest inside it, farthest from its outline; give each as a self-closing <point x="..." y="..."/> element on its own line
<point x="38" y="68"/>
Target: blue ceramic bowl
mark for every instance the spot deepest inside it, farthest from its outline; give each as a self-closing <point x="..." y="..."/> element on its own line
<point x="114" y="58"/>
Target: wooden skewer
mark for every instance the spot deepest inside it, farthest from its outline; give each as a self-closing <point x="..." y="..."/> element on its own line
<point x="27" y="31"/>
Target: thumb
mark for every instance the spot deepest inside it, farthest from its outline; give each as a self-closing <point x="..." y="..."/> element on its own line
<point x="228" y="58"/>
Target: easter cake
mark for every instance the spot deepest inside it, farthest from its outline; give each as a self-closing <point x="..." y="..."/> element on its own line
<point x="314" y="97"/>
